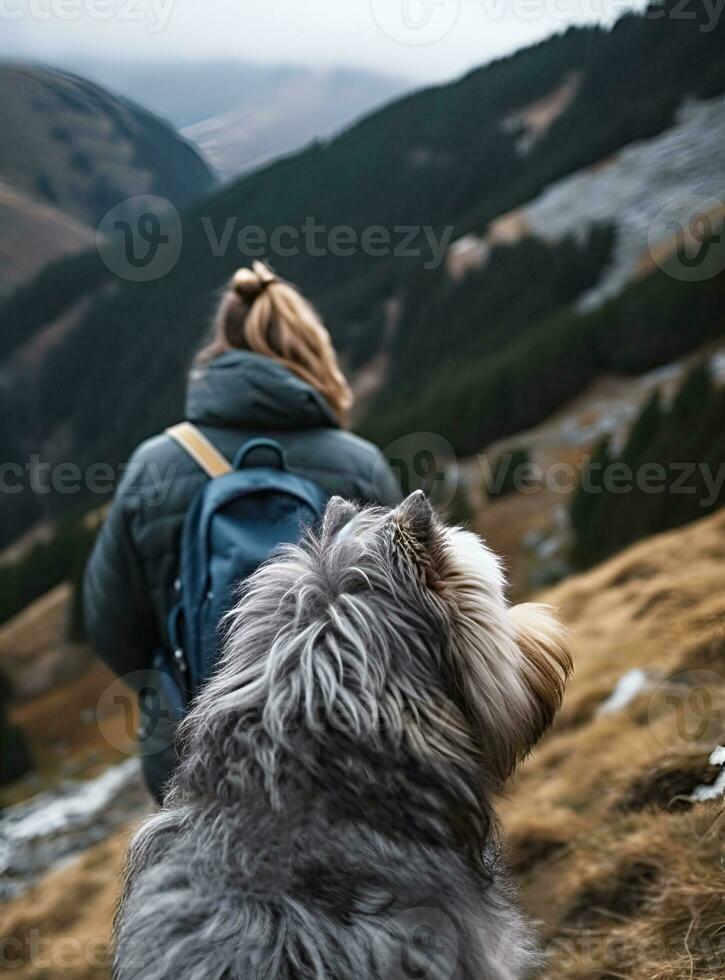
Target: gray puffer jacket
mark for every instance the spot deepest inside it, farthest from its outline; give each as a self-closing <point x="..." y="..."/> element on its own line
<point x="129" y="581"/>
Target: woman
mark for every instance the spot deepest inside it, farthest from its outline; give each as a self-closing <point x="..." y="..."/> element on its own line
<point x="270" y="370"/>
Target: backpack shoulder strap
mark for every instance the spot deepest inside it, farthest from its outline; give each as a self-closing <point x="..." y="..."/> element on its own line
<point x="196" y="444"/>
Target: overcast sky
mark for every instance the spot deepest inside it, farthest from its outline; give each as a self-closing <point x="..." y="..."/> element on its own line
<point x="425" y="40"/>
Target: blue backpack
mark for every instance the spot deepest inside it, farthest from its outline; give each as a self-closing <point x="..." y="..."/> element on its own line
<point x="234" y="524"/>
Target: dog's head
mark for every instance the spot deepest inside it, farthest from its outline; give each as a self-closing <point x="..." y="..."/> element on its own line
<point x="392" y="626"/>
<point x="501" y="669"/>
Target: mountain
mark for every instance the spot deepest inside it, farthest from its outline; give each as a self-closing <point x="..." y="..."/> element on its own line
<point x="187" y="93"/>
<point x="71" y="151"/>
<point x="241" y="115"/>
<point x="474" y="358"/>
<point x="68" y="142"/>
<point x="290" y="111"/>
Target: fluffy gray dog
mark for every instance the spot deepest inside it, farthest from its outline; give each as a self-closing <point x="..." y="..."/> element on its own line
<point x="331" y="818"/>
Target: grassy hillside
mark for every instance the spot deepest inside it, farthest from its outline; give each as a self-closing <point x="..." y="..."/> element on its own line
<point x="57" y="701"/>
<point x="69" y="143"/>
<point x="69" y="152"/>
<point x="622" y="870"/>
<point x="33" y="234"/>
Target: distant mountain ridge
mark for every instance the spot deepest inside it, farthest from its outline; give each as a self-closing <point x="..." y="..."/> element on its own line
<point x="281" y="117"/>
<point x="185" y="92"/>
<point x="240" y="114"/>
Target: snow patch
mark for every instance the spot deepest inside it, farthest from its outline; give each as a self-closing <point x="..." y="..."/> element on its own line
<point x="684" y="163"/>
<point x="38" y="834"/>
<point x="627" y="688"/>
<point x="717" y="789"/>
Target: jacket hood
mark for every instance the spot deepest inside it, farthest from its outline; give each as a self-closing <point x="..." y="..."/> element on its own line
<point x="243" y="390"/>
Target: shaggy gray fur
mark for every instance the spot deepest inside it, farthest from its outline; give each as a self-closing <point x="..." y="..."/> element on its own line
<point x="331" y="817"/>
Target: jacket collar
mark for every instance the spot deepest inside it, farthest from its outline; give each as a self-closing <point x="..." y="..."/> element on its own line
<point x="243" y="390"/>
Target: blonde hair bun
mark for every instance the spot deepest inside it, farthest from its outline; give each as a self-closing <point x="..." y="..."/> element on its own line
<point x="249" y="283"/>
<point x="282" y="325"/>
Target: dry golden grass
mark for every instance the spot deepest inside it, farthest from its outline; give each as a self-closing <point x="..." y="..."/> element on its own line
<point x="626" y="876"/>
<point x="64" y="736"/>
<point x="34" y="651"/>
<point x="58" y="686"/>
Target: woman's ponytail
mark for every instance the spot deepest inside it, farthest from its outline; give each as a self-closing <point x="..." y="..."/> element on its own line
<point x="267" y="315"/>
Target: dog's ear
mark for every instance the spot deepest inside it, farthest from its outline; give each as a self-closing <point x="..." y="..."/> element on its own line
<point x="415" y="518"/>
<point x="547" y="663"/>
<point x="337" y="514"/>
<point x="418" y="536"/>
